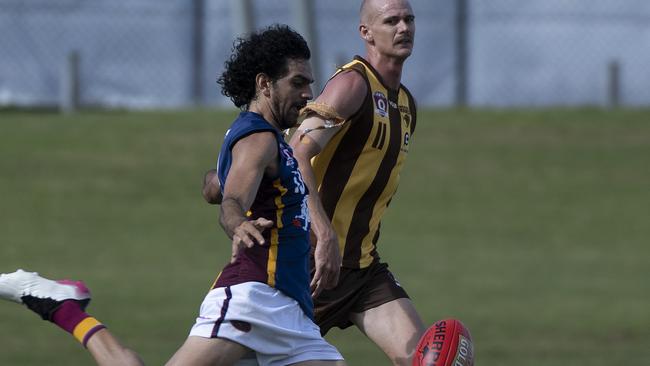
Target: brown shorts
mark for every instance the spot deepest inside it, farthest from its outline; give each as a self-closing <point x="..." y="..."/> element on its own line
<point x="358" y="290"/>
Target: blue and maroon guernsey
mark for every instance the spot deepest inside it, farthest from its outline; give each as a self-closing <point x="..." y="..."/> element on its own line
<point x="283" y="262"/>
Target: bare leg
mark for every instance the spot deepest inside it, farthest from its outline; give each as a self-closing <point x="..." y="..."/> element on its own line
<point x="107" y="350"/>
<point x="395" y="327"/>
<point x="63" y="303"/>
<point x="198" y="351"/>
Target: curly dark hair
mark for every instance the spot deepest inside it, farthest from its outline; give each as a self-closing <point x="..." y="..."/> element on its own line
<point x="266" y="51"/>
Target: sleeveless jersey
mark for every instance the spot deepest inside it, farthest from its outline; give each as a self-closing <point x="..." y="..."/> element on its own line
<point x="283" y="262"/>
<point x="359" y="170"/>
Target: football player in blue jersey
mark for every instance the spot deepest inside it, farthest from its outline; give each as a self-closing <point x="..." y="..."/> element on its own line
<point x="259" y="310"/>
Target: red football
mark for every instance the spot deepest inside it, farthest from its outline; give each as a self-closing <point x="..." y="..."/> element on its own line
<point x="446" y="343"/>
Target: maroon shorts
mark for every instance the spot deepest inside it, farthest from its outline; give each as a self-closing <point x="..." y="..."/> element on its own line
<point x="358" y="290"/>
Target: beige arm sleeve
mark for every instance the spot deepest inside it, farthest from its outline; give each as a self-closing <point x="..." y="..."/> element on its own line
<point x="330" y="117"/>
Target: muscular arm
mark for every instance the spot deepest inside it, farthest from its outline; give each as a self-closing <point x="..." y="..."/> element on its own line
<point x="344" y="93"/>
<point x="211" y="188"/>
<point x="252" y="156"/>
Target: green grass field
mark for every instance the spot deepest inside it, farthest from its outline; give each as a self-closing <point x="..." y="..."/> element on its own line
<point x="530" y="226"/>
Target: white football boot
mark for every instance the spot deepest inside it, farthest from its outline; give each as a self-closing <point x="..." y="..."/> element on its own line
<point x="41" y="295"/>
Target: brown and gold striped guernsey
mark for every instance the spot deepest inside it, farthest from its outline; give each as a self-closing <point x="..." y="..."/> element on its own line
<point x="358" y="171"/>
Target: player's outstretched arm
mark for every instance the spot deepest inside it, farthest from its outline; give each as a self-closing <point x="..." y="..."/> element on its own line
<point x="252" y="157"/>
<point x="63" y="303"/>
<point x="327" y="257"/>
<point x="343" y="95"/>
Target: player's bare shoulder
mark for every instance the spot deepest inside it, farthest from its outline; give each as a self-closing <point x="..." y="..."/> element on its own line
<point x="258" y="149"/>
<point x="345" y="92"/>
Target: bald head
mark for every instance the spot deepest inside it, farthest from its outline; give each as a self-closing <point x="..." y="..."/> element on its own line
<point x="363" y="11"/>
<point x="370" y="9"/>
<point x="387" y="28"/>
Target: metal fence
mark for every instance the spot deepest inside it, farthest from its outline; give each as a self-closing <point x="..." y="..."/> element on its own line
<point x="559" y="52"/>
<point x="167" y="54"/>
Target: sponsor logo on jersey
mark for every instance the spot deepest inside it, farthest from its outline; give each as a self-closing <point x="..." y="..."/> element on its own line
<point x="406" y="114"/>
<point x="407" y="119"/>
<point x="404" y="109"/>
<point x="288" y="156"/>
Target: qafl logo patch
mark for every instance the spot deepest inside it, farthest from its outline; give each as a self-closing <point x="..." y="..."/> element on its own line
<point x="381" y="104"/>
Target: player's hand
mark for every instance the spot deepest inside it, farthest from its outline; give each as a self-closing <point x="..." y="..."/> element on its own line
<point x="247" y="234"/>
<point x="327" y="260"/>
